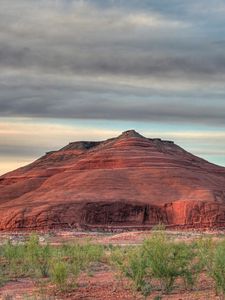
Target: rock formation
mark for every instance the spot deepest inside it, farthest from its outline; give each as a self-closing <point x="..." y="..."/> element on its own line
<point x="128" y="182"/>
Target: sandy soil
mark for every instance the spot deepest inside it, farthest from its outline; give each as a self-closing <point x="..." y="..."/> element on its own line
<point x="102" y="285"/>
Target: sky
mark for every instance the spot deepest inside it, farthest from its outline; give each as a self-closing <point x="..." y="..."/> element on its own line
<point x="88" y="70"/>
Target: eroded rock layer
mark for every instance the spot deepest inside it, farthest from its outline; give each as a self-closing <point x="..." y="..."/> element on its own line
<point x="128" y="182"/>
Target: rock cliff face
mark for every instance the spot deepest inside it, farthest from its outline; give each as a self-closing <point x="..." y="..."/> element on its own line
<point x="121" y="183"/>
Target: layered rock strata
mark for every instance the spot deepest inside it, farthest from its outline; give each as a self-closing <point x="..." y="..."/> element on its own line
<point x="128" y="182"/>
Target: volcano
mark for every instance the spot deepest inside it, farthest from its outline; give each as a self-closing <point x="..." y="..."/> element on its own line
<point x="123" y="183"/>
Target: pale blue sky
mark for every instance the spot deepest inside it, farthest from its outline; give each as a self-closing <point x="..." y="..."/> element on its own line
<point x="91" y="69"/>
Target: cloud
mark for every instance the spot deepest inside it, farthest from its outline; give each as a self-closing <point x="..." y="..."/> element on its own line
<point x="24" y="137"/>
<point x="83" y="59"/>
<point x="139" y="61"/>
<point x="98" y="100"/>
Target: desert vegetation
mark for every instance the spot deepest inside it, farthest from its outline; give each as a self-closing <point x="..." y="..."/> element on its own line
<point x="55" y="265"/>
<point x="158" y="265"/>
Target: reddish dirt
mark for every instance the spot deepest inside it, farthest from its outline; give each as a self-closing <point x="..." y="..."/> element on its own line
<point x="18" y="289"/>
<point x="129" y="182"/>
<point x="102" y="285"/>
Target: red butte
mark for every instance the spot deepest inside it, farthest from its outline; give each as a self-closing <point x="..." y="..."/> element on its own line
<point x="128" y="182"/>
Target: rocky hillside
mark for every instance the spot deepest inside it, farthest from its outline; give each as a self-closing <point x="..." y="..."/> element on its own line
<point x="122" y="183"/>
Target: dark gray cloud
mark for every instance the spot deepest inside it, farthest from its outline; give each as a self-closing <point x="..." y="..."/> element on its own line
<point x="20" y="150"/>
<point x="108" y="61"/>
<point x="85" y="102"/>
<point x="122" y="60"/>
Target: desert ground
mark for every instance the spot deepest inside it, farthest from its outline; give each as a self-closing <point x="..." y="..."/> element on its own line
<point x="101" y="280"/>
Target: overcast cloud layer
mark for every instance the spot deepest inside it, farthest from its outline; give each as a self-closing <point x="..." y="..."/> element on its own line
<point x="153" y="61"/>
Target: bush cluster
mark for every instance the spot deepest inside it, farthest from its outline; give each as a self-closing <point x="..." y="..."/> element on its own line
<point x="159" y="262"/>
<point x="61" y="265"/>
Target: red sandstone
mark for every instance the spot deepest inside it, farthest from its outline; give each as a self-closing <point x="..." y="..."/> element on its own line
<point x="121" y="183"/>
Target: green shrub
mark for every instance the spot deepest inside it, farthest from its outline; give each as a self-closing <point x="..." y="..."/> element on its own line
<point x="14" y="256"/>
<point x="43" y="260"/>
<point x="158" y="258"/>
<point x="72" y="259"/>
<point x="13" y="252"/>
<point x="82" y="255"/>
<point x="38" y="257"/>
<point x="59" y="274"/>
<point x="213" y="258"/>
<point x="135" y="268"/>
<point x="118" y="259"/>
<point x="131" y="263"/>
<point x="57" y="263"/>
<point x="219" y="268"/>
<point x="167" y="260"/>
